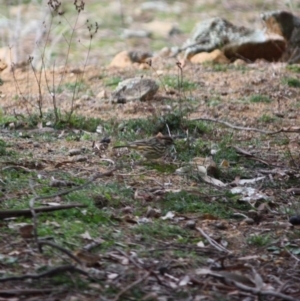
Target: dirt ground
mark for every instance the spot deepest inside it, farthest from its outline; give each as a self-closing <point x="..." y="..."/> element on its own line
<point x="150" y="242"/>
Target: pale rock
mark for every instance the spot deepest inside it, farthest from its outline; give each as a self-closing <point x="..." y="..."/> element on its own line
<point x="3" y="65"/>
<point x="74" y="152"/>
<point x="102" y="95"/>
<point x="126" y="59"/>
<point x="121" y="60"/>
<point x="163" y="6"/>
<point x="239" y="62"/>
<point x="136" y="88"/>
<point x="161" y="28"/>
<point x="134" y="33"/>
<point x="216" y="56"/>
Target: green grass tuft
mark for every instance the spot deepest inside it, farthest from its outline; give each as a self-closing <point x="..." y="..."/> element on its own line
<point x="260" y="98"/>
<point x="291" y="82"/>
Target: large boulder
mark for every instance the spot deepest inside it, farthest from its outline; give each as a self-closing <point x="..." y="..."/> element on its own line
<point x="234" y="41"/>
<point x="286" y="25"/>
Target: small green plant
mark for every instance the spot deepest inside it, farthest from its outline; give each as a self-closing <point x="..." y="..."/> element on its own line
<point x="259" y="240"/>
<point x="219" y="67"/>
<point x="291" y="82"/>
<point x="112" y="82"/>
<point x="266" y="118"/>
<point x="160" y="230"/>
<point x="188" y="149"/>
<point x="260" y="98"/>
<point x="172" y="81"/>
<point x="75" y="87"/>
<point x="79" y="122"/>
<point x="214" y="101"/>
<point x="135" y="129"/>
<point x="2" y="148"/>
<point x="294" y="68"/>
<point x="184" y="202"/>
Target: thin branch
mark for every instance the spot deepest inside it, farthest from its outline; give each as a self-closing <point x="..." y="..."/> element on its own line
<point x="28" y="212"/>
<point x="236" y="127"/>
<point x="18" y="292"/>
<point x="213" y="242"/>
<point x="65" y="192"/>
<point x="259" y="292"/>
<point x="34" y="218"/>
<point x="63" y="250"/>
<point x="49" y="273"/>
<point x="130" y="286"/>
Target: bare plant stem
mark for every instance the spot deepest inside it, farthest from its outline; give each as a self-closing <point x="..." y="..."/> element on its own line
<point x="38" y="80"/>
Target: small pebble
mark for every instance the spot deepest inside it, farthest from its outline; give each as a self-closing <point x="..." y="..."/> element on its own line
<point x="105" y="140"/>
<point x="74" y="152"/>
<point x="249" y="221"/>
<point x="79" y="159"/>
<point x="221" y="226"/>
<point x="191" y="224"/>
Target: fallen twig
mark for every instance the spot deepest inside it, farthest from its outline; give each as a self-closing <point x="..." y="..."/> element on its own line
<point x="65" y="192"/>
<point x="16" y="167"/>
<point x="17" y="292"/>
<point x="152" y="273"/>
<point x="260" y="292"/>
<point x="249" y="155"/>
<point x="212" y="242"/>
<point x="63" y="250"/>
<point x="51" y="272"/>
<point x="236" y="127"/>
<point x="130" y="286"/>
<point x="34" y="219"/>
<point x="28" y="212"/>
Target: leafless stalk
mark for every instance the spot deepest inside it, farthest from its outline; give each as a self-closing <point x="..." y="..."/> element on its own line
<point x="212" y="242"/>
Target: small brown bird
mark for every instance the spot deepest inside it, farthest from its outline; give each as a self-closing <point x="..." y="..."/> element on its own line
<point x="153" y="148"/>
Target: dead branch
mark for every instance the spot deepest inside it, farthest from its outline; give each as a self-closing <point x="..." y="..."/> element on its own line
<point x="152" y="273"/>
<point x="16" y="167"/>
<point x="28" y="212"/>
<point x="212" y="242"/>
<point x="65" y="192"/>
<point x="236" y="127"/>
<point x="260" y="292"/>
<point x="63" y="250"/>
<point x="130" y="286"/>
<point x="49" y="273"/>
<point x="18" y="292"/>
<point x="34" y="219"/>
